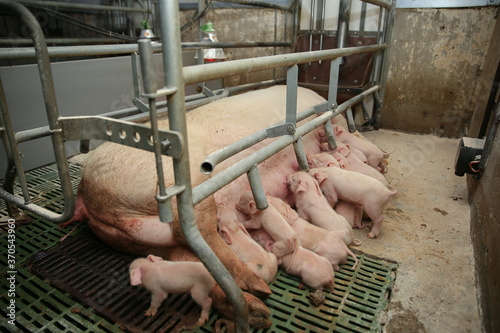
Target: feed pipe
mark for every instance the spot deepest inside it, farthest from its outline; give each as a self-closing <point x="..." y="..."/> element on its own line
<point x="92" y="50"/>
<point x="172" y="64"/>
<point x="49" y="96"/>
<point x="206" y="72"/>
<point x="220" y="180"/>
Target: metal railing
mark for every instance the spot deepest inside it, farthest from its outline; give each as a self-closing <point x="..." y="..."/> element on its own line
<point x="170" y="142"/>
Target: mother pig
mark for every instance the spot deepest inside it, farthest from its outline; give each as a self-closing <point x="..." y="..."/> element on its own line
<point x="118" y="187"/>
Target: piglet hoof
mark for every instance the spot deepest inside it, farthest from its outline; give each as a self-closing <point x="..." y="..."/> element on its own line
<point x="372" y="234"/>
<point x="258" y="312"/>
<point x="356" y="242"/>
<point x="150" y="313"/>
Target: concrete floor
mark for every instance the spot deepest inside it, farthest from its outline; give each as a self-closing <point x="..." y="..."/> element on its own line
<point x="427" y="232"/>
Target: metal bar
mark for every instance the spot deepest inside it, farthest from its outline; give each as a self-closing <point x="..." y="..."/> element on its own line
<point x="258" y="191"/>
<point x="213" y="159"/>
<point x="172" y="64"/>
<point x="193" y="74"/>
<point x="343" y="24"/>
<point x="292" y="79"/>
<point x="26" y="41"/>
<point x="65" y="5"/>
<point x="300" y="153"/>
<point x="10" y="144"/>
<point x="381" y="3"/>
<point x="52" y="113"/>
<point x="350" y="120"/>
<point x="94" y="50"/>
<point x="332" y="100"/>
<point x="223" y="178"/>
<point x="445" y="3"/>
<point x="149" y="79"/>
<point x="261" y="4"/>
<point x="490" y="138"/>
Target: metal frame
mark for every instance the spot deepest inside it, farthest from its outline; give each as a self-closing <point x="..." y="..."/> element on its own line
<point x="172" y="142"/>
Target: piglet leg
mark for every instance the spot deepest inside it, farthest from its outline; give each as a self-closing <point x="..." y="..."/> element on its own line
<point x="156" y="300"/>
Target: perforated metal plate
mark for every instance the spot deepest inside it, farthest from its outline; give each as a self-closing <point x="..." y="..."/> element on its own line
<point x="89" y="278"/>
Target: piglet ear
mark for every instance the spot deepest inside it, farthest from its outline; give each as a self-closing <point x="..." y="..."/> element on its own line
<point x="337" y="129"/>
<point x="135" y="277"/>
<point x="301" y="186"/>
<point x="320" y="177"/>
<point x="226" y="235"/>
<point x="252" y="207"/>
<point x="154" y="258"/>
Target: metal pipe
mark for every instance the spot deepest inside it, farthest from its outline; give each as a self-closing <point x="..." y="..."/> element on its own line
<point x="223" y="178"/>
<point x="380" y="3"/>
<point x="27" y="41"/>
<point x="172" y="64"/>
<point x="261" y="4"/>
<point x="343" y="24"/>
<point x="93" y="50"/>
<point x="65" y="5"/>
<point x="193" y="74"/>
<point x="213" y="159"/>
<point x="258" y="191"/>
<point x="52" y="114"/>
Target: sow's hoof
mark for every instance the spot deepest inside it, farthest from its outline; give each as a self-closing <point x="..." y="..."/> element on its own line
<point x="258" y="312"/>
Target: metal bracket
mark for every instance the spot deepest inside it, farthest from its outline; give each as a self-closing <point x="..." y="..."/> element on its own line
<point x="289" y="127"/>
<point x="122" y="132"/>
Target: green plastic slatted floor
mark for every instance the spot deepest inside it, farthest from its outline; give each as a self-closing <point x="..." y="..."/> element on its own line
<point x="359" y="297"/>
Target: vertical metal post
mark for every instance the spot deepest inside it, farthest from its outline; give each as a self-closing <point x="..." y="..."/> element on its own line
<point x="350" y="120"/>
<point x="258" y="191"/>
<point x="332" y="100"/>
<point x="343" y="25"/>
<point x="172" y="62"/>
<point x="292" y="80"/>
<point x="150" y="87"/>
<point x="300" y="153"/>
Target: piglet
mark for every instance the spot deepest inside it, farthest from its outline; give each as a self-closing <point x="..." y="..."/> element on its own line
<point x="261" y="262"/>
<point x="346" y="161"/>
<point x="352" y="213"/>
<point x="373" y="154"/>
<point x="162" y="277"/>
<point x="314" y="270"/>
<point x="285" y="239"/>
<point x="323" y="242"/>
<point x="356" y="188"/>
<point x="312" y="206"/>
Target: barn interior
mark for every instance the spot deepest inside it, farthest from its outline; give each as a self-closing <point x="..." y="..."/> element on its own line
<point x="418" y="79"/>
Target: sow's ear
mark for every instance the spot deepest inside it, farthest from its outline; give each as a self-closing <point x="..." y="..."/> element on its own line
<point x="135" y="277"/>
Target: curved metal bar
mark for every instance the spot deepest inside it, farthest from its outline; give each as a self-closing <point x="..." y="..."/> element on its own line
<point x="52" y="114"/>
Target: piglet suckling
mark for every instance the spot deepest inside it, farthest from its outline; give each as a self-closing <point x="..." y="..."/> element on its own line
<point x="285" y="239"/>
<point x="314" y="270"/>
<point x="323" y="242"/>
<point x="373" y="154"/>
<point x="260" y="261"/>
<point x="312" y="206"/>
<point x="162" y="277"/>
<point x="356" y="188"/>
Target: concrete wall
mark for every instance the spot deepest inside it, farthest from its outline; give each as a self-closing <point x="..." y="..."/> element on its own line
<point x="436" y="60"/>
<point x="484" y="199"/>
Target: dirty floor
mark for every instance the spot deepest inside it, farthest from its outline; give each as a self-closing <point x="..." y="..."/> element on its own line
<point x="427" y="232"/>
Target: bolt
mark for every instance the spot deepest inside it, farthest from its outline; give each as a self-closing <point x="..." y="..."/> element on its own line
<point x="290" y="129"/>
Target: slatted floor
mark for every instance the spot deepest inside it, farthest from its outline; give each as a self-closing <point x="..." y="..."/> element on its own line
<point x="80" y="285"/>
